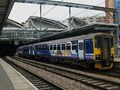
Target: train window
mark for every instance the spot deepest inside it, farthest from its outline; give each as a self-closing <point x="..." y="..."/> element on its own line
<point x="111" y="42"/>
<point x="74" y="45"/>
<point x="54" y="47"/>
<point x="87" y="46"/>
<point x="35" y="47"/>
<point x="51" y="47"/>
<point x="63" y="46"/>
<point x="42" y="48"/>
<point x="58" y="47"/>
<point x="97" y="42"/>
<point x="68" y="47"/>
<point x="47" y="47"/>
<point x="30" y="47"/>
<point x="81" y="46"/>
<point x="39" y="47"/>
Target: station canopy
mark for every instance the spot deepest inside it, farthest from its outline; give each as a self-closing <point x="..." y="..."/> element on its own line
<point x="5" y="8"/>
<point x="92" y="28"/>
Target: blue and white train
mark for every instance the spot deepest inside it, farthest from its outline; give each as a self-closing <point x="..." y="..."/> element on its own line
<point x="92" y="50"/>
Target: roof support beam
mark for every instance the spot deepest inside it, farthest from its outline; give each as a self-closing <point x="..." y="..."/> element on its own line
<point x="67" y="4"/>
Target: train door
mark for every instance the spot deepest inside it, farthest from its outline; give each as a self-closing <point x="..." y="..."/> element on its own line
<point x="51" y="49"/>
<point x="33" y="49"/>
<point x="68" y="49"/>
<point x="74" y="50"/>
<point x="29" y="50"/>
<point x="81" y="49"/>
<point x="88" y="49"/>
<point x="106" y="48"/>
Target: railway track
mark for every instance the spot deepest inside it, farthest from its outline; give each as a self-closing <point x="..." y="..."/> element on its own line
<point x="113" y="73"/>
<point x="94" y="80"/>
<point x="35" y="80"/>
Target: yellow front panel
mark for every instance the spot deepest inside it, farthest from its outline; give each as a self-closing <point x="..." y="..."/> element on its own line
<point x="97" y="51"/>
<point x="113" y="50"/>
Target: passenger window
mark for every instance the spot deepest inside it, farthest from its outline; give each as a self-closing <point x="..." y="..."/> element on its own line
<point x="54" y="47"/>
<point x="39" y="47"/>
<point x="81" y="46"/>
<point x="51" y="47"/>
<point x="47" y="47"/>
<point x="36" y="47"/>
<point x="42" y="47"/>
<point x="74" y="45"/>
<point x="68" y="47"/>
<point x="58" y="47"/>
<point x="63" y="46"/>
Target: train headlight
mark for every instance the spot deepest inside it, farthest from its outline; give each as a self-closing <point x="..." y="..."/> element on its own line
<point x="97" y="57"/>
<point x="112" y="56"/>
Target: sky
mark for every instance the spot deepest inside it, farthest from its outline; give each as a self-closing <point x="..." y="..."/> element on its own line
<point x="21" y="11"/>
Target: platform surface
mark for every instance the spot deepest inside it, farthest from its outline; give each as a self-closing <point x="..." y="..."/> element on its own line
<point x="10" y="79"/>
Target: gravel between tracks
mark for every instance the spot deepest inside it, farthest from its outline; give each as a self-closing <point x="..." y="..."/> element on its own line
<point x="58" y="80"/>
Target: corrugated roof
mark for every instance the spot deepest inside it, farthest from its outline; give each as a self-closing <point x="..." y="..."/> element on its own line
<point x="48" y="21"/>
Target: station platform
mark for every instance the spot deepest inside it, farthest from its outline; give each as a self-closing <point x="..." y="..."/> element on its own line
<point x="10" y="79"/>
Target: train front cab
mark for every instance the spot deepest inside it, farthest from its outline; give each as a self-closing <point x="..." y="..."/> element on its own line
<point x="103" y="51"/>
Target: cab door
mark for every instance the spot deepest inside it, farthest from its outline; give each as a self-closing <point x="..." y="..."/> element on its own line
<point x="81" y="49"/>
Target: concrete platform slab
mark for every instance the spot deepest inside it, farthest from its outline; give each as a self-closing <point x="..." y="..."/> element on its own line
<point x="10" y="79"/>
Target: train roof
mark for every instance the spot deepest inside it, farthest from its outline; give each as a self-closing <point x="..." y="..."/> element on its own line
<point x="88" y="36"/>
<point x="92" y="28"/>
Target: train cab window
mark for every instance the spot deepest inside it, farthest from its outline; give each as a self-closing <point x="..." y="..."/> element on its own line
<point x="58" y="47"/>
<point x="80" y="45"/>
<point x="111" y="42"/>
<point x="63" y="46"/>
<point x="54" y="47"/>
<point x="68" y="46"/>
<point x="98" y="42"/>
<point x="51" y="47"/>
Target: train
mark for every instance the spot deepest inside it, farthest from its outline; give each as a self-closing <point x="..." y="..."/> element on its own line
<point x="93" y="50"/>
